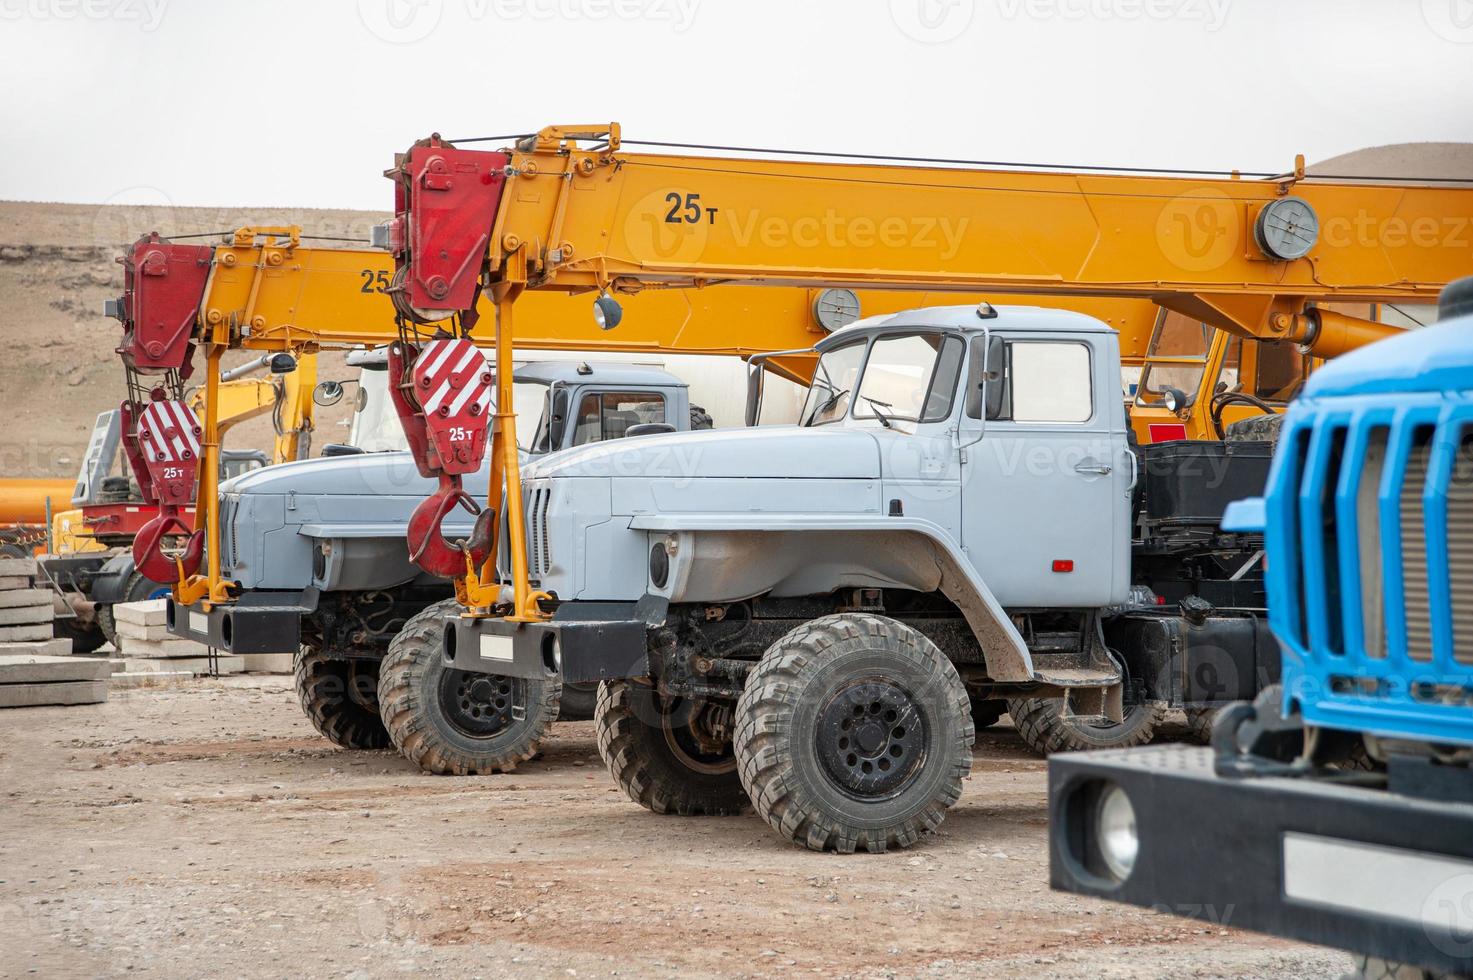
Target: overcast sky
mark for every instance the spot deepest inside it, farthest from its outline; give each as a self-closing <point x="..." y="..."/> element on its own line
<point x="304" y="102"/>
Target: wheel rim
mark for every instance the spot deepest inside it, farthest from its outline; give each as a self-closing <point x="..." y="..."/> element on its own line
<point x="691" y="733"/>
<point x="871" y="739"/>
<point x="480" y="705"/>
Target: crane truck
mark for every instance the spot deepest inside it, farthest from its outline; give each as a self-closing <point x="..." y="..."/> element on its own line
<point x="312" y="557"/>
<point x="1336" y="808"/>
<point x="792" y="619"/>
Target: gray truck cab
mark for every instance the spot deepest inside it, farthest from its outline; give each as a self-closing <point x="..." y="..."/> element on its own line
<point x="950" y="517"/>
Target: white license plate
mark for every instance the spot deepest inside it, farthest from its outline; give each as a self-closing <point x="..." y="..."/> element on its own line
<point x="199" y="623"/>
<point x="1407" y="886"/>
<point x="497" y="648"/>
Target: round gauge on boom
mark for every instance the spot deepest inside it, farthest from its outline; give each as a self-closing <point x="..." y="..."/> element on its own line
<point x="836" y="308"/>
<point x="1287" y="228"/>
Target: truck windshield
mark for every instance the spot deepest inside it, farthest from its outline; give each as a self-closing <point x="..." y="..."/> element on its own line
<point x="908" y="377"/>
<point x="833" y="383"/>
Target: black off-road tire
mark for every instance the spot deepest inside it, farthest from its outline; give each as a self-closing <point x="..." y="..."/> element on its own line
<point x="1043" y="728"/>
<point x="700" y="418"/>
<point x="791" y="738"/>
<point x="340" y="698"/>
<point x="84" y="639"/>
<point x="578" y="702"/>
<point x="648" y="746"/>
<point x="1199" y="724"/>
<point x="414" y="685"/>
<point x="1375" y="968"/>
<point x="1259" y="428"/>
<point x="987" y="712"/>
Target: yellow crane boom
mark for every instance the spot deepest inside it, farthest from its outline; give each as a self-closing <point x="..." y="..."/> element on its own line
<point x="569" y="210"/>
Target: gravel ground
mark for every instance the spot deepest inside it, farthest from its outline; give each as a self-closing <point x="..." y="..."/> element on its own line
<point x="208" y="830"/>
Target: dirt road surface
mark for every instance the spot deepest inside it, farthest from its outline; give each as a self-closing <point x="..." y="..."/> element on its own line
<point x="207" y="830"/>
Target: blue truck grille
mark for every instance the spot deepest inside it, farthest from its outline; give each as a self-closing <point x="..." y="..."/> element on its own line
<point x="1370" y="508"/>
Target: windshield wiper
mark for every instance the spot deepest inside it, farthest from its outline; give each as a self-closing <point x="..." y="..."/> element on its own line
<point x="828" y="403"/>
<point x="875" y="403"/>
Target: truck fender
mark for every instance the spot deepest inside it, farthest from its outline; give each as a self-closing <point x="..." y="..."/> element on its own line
<point x="914" y="553"/>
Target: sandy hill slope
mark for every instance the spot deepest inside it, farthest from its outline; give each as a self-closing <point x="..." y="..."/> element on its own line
<point x="57" y="266"/>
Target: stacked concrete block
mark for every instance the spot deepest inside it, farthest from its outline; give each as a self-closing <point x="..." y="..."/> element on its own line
<point x="26" y="611"/>
<point x="35" y="667"/>
<point x="146" y="647"/>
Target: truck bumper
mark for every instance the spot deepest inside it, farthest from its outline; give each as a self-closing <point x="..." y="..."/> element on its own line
<point x="584" y="642"/>
<point x="1348" y="867"/>
<point x="257" y="622"/>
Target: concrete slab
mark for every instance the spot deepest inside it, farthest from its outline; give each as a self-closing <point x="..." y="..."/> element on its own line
<point x="21" y="669"/>
<point x="19" y="615"/>
<point x="138" y="631"/>
<point x="174" y="646"/>
<point x="9" y="582"/>
<point x="150" y="612"/>
<point x="17" y="566"/>
<point x="72" y="692"/>
<point x="229" y="664"/>
<point x="162" y="678"/>
<point x="267" y="663"/>
<point x="54" y="647"/>
<point x="24" y="597"/>
<point x="22" y="634"/>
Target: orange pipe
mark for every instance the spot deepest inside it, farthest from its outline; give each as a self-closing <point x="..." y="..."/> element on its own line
<point x="23" y="501"/>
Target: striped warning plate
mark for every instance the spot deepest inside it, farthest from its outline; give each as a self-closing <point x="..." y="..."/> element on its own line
<point x="169" y="432"/>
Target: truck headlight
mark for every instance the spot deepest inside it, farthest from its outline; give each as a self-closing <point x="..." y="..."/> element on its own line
<point x="1115" y="832"/>
<point x="659" y="565"/>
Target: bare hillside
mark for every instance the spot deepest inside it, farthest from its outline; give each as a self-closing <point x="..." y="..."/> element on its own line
<point x="57" y="266"/>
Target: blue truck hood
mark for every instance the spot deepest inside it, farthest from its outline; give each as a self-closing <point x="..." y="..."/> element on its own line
<point x="1436" y="358"/>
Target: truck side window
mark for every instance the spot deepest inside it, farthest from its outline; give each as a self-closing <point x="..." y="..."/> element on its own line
<point x="1048" y="381"/>
<point x="609" y="415"/>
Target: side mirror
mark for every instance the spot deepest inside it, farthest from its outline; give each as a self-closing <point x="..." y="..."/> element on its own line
<point x="648" y="429"/>
<point x="755" y="376"/>
<point x="327" y="393"/>
<point x="557" y="417"/>
<point x="995" y="377"/>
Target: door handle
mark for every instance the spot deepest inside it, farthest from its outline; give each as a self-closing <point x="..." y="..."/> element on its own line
<point x="1094" y="469"/>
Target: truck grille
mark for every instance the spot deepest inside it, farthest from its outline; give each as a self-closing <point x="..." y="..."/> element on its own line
<point x="539" y="549"/>
<point x="535" y="501"/>
<point x="228" y="556"/>
<point x="1371" y="507"/>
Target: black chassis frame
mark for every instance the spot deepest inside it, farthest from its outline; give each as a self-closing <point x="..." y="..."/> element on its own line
<point x="1207" y="659"/>
<point x="1212" y="846"/>
<point x="256" y="622"/>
